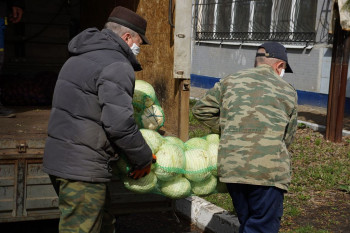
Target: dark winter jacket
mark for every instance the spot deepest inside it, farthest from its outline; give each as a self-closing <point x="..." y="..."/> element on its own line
<point x="92" y="115"/>
<point x="6" y="4"/>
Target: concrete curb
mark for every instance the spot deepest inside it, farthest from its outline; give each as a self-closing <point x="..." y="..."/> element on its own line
<point x="320" y="128"/>
<point x="206" y="215"/>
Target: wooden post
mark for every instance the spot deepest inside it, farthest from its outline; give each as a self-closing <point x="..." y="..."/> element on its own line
<point x="335" y="77"/>
<point x="342" y="91"/>
<point x="330" y="92"/>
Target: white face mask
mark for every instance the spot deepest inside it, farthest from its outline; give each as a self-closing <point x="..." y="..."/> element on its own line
<point x="282" y="73"/>
<point x="135" y="49"/>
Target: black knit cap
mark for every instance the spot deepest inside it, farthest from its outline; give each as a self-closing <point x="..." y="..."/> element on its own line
<point x="129" y="19"/>
<point x="275" y="50"/>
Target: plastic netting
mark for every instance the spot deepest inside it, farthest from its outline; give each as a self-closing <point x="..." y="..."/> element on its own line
<point x="180" y="171"/>
<point x="148" y="113"/>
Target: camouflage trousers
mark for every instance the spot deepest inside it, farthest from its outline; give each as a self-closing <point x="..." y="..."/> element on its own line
<point x="83" y="206"/>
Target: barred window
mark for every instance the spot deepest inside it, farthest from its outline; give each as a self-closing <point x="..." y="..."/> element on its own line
<point x="255" y="20"/>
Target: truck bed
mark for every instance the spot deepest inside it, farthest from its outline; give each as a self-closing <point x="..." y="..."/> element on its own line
<point x="26" y="192"/>
<point x="29" y="123"/>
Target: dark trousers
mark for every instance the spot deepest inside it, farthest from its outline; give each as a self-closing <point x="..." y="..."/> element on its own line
<point x="259" y="208"/>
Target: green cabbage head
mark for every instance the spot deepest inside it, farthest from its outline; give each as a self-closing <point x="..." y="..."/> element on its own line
<point x="204" y="187"/>
<point x="177" y="188"/>
<point x="143" y="185"/>
<point x="197" y="165"/>
<point x="170" y="162"/>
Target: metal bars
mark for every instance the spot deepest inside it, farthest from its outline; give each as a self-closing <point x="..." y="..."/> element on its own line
<point x="255" y="20"/>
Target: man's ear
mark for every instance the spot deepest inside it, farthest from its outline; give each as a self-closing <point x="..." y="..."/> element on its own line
<point x="279" y="66"/>
<point x="126" y="37"/>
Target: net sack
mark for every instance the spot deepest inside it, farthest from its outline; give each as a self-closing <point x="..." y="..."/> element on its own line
<point x="148" y="113"/>
<point x="180" y="170"/>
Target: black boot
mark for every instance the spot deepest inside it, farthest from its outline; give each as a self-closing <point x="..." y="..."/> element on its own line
<point x="5" y="112"/>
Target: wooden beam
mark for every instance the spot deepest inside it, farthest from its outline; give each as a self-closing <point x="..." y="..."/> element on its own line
<point x="334" y="85"/>
<point x="342" y="90"/>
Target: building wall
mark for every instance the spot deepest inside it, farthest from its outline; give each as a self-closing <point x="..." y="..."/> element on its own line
<point x="311" y="64"/>
<point x="220" y="61"/>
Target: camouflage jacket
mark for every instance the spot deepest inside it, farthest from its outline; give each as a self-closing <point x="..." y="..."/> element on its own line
<point x="255" y="112"/>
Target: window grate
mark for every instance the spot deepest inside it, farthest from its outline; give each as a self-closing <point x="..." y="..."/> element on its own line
<point x="257" y="36"/>
<point x="255" y="20"/>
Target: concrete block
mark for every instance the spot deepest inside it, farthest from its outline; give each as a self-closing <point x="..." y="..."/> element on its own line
<point x="206" y="215"/>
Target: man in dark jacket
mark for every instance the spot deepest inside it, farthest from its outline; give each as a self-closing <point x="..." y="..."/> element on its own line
<point x="16" y="9"/>
<point x="92" y="120"/>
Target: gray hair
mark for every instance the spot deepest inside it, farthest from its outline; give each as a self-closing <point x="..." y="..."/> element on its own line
<point x="266" y="60"/>
<point x="118" y="29"/>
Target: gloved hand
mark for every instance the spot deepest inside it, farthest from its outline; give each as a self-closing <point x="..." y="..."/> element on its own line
<point x="154" y="158"/>
<point x="139" y="173"/>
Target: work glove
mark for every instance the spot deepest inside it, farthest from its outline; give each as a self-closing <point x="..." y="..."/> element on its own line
<point x="139" y="173"/>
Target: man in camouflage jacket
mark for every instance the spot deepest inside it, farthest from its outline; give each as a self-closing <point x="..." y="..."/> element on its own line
<point x="255" y="112"/>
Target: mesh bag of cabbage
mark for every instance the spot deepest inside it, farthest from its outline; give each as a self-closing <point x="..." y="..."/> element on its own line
<point x="148" y="113"/>
<point x="180" y="170"/>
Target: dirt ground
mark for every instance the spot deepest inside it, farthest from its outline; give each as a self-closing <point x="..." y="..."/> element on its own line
<point x="330" y="211"/>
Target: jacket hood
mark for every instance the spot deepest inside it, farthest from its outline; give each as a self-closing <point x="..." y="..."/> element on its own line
<point x="92" y="39"/>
